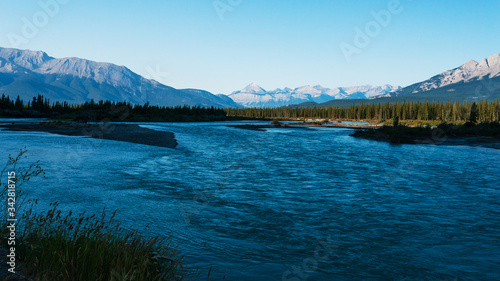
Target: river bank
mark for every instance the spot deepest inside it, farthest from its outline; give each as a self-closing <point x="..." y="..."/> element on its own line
<point x="304" y="125"/>
<point x="109" y="131"/>
<point x="484" y="134"/>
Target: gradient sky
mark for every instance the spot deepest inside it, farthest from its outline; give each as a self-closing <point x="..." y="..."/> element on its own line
<point x="278" y="43"/>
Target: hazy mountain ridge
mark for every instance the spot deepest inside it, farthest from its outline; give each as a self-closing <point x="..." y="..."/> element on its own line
<point x="28" y="73"/>
<point x="255" y="96"/>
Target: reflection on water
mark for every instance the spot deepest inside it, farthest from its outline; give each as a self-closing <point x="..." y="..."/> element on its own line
<point x="288" y="204"/>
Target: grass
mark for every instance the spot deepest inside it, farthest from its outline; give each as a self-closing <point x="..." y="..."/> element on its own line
<point x="418" y="122"/>
<point x="55" y="246"/>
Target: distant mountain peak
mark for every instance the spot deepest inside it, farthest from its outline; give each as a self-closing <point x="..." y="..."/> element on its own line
<point x="254" y="96"/>
<point x="493" y="60"/>
<point x="471" y="62"/>
<point x="487" y="67"/>
<point x="24" y="58"/>
<point x="307" y="89"/>
<point x="253" y="88"/>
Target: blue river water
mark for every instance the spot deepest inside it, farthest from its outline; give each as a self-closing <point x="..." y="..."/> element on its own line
<point x="287" y="204"/>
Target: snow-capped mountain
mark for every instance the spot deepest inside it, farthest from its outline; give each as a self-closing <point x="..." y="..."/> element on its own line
<point x="253" y="89"/>
<point x="485" y="74"/>
<point x="255" y="96"/>
<point x="29" y="73"/>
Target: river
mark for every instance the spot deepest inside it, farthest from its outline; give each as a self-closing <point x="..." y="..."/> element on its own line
<point x="287" y="204"/>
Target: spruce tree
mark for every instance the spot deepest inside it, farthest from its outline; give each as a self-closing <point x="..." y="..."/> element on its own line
<point x="473" y="114"/>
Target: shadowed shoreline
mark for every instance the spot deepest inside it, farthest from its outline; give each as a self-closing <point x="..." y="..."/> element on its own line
<point x="484" y="134"/>
<point x="305" y="125"/>
<point x="109" y="131"/>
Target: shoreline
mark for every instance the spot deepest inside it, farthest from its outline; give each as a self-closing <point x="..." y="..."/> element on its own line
<point x="484" y="135"/>
<point x="473" y="141"/>
<point x="304" y="126"/>
<point x="130" y="133"/>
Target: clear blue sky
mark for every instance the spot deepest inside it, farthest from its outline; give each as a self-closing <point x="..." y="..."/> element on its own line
<point x="278" y="43"/>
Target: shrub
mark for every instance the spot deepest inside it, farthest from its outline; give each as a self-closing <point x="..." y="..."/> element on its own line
<point x="53" y="246"/>
<point x="57" y="247"/>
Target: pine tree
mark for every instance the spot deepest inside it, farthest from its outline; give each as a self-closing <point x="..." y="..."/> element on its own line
<point x="473" y="114"/>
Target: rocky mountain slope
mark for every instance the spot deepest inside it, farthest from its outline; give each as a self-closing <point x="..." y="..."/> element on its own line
<point x="470" y="80"/>
<point x="29" y="73"/>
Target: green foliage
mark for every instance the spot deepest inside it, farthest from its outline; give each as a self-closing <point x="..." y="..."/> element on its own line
<point x="486" y="111"/>
<point x="107" y="111"/>
<point x="395" y="121"/>
<point x="53" y="246"/>
<point x="57" y="247"/>
<point x="473" y="114"/>
<point x="421" y="122"/>
<point x="7" y="103"/>
<point x="22" y="175"/>
<point x="486" y="129"/>
<point x="427" y="134"/>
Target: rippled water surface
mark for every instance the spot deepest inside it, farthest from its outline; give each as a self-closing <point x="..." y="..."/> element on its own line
<point x="288" y="204"/>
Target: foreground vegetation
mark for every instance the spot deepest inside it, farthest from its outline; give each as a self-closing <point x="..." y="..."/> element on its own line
<point x="56" y="246"/>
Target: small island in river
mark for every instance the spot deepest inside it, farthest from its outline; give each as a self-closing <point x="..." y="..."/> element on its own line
<point x="487" y="134"/>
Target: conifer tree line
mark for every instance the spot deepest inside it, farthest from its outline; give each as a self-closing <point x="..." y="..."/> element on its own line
<point x="105" y="109"/>
<point x="483" y="111"/>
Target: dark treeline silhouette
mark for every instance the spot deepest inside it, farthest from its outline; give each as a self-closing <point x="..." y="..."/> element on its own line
<point x="484" y="111"/>
<point x="106" y="110"/>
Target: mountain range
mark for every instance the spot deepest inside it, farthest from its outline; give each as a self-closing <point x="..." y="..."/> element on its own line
<point x="28" y="73"/>
<point x="469" y="73"/>
<point x="470" y="82"/>
<point x="255" y="96"/>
